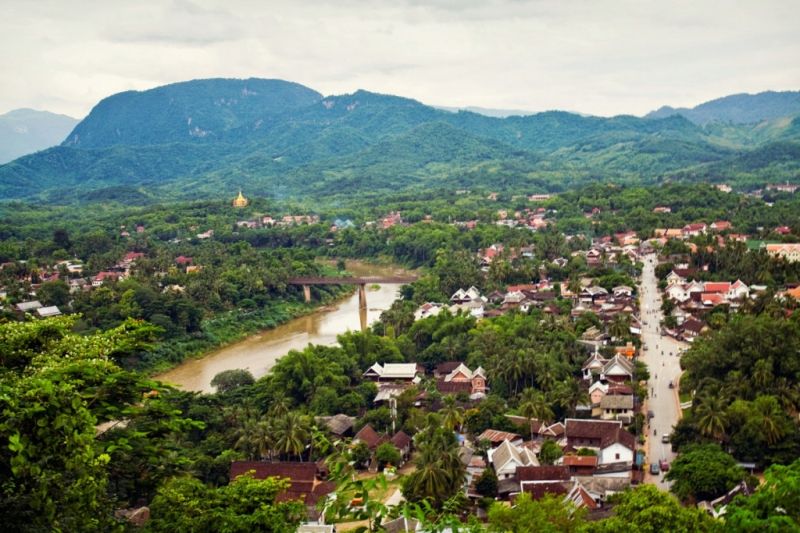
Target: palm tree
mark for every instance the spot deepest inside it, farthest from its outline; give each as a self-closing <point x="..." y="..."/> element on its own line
<point x="452" y="414"/>
<point x="534" y="406"/>
<point x="620" y="326"/>
<point x="770" y="418"/>
<point x="711" y="418"/>
<point x="254" y="438"/>
<point x="292" y="433"/>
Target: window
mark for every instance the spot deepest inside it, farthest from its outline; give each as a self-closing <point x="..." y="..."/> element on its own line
<point x="616" y="456"/>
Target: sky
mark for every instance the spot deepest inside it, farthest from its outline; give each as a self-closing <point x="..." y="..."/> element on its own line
<point x="600" y="57"/>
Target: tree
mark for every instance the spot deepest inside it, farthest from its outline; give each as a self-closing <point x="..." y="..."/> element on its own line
<point x="292" y="432"/>
<point x="711" y="419"/>
<point x="54" y="293"/>
<point x="550" y="452"/>
<point x="360" y="454"/>
<point x="775" y="506"/>
<point x="649" y="510"/>
<point x="452" y="414"/>
<point x="703" y="472"/>
<point x="246" y="504"/>
<point x="439" y="471"/>
<point x="550" y="514"/>
<point x="486" y="485"/>
<point x="228" y="380"/>
<point x="387" y="454"/>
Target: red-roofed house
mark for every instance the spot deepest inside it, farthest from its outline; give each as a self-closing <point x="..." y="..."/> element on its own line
<point x="694" y="230"/>
<point x="721" y="287"/>
<point x="721" y="225"/>
<point x="183" y="260"/>
<point x="613" y="443"/>
<point x="304" y="478"/>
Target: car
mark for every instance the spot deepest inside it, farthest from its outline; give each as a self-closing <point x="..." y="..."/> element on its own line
<point x="655" y="469"/>
<point x="665" y="438"/>
<point x="671" y="386"/>
<point x="650" y="414"/>
<point x="664" y="465"/>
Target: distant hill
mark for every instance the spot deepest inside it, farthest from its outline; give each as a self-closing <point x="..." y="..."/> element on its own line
<point x="24" y="131"/>
<point x="274" y="138"/>
<point x="209" y="110"/>
<point x="738" y="108"/>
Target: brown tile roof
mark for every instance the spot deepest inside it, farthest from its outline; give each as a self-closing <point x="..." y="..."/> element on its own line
<point x="401" y="440"/>
<point x="368" y="436"/>
<point x="543" y="473"/>
<point x="447" y="367"/>
<point x="608" y="432"/>
<point x="496" y="436"/>
<point x="304" y="484"/>
<point x="540" y="490"/>
<point x="580" y="460"/>
<point x="453" y="387"/>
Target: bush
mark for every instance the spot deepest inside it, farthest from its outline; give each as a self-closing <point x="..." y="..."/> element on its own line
<point x="387" y="454"/>
<point x="227" y="380"/>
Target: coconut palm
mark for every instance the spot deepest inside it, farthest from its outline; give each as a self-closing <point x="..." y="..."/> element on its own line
<point x="452" y="414"/>
<point x="534" y="406"/>
<point x="292" y="432"/>
<point x="254" y="438"/>
<point x="711" y="418"/>
<point x="770" y="418"/>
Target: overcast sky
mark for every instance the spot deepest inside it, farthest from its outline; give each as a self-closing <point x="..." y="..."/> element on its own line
<point x="596" y="56"/>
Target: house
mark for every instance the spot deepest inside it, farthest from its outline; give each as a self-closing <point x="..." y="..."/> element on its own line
<point x="594" y="365"/>
<point x="206" y="234"/>
<point x="694" y="230"/>
<point x="618" y="369"/>
<point x="720" y="225"/>
<point x="339" y="425"/>
<point x="617" y="407"/>
<point x="496" y="437"/>
<point x="783" y="230"/>
<point x="629" y="350"/>
<point x="27" y="307"/>
<point x="787" y="252"/>
<point x="105" y="276"/>
<point x="693" y="327"/>
<point x="506" y="458"/>
<point x="45" y="312"/>
<point x="393" y="372"/>
<point x="427" y="309"/>
<point x="306" y="482"/>
<point x="463" y="296"/>
<point x="677" y="293"/>
<point x="662" y="209"/>
<point x="369" y="436"/>
<point x="183" y="260"/>
<point x="622" y="290"/>
<point x="613" y="443"/>
<point x="403" y="443"/>
<point x="473" y="382"/>
<point x="580" y="465"/>
<point x="474" y="308"/>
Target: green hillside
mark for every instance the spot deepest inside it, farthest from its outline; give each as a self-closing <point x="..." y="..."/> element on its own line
<point x="204" y="138"/>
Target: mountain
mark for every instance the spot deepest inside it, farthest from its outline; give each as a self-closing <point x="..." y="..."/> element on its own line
<point x="487" y="111"/>
<point x="207" y="110"/>
<point x="24" y="131"/>
<point x="203" y="138"/>
<point x="738" y="108"/>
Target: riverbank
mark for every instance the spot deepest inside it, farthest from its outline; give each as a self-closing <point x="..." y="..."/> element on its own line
<point x="233" y="327"/>
<point x="258" y="351"/>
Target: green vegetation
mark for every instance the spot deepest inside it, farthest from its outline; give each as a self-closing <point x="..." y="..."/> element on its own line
<point x="703" y="472"/>
<point x="190" y="140"/>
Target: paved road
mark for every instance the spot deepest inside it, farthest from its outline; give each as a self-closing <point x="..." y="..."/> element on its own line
<point x="661" y="354"/>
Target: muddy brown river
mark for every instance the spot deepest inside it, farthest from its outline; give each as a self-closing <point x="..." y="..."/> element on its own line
<point x="259" y="352"/>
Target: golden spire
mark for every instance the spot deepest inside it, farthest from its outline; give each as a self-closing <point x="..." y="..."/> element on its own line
<point x="240" y="201"/>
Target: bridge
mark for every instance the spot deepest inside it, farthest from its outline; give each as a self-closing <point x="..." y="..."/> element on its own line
<point x="362" y="283"/>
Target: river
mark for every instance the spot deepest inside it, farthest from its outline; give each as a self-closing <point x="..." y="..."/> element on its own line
<point x="259" y="352"/>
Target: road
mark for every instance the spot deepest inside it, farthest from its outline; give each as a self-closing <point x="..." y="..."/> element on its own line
<point x="661" y="354"/>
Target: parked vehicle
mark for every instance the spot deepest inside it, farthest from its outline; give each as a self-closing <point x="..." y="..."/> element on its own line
<point x="665" y="438"/>
<point x="655" y="469"/>
<point x="650" y="414"/>
<point x="664" y="465"/>
<point x="671" y="386"/>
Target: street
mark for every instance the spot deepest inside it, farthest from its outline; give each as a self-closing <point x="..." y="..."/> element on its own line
<point x="661" y="354"/>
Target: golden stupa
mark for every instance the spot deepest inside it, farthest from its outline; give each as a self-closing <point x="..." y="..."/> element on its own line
<point x="240" y="201"/>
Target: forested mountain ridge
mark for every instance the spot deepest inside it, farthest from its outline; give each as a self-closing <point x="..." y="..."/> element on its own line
<point x="738" y="108"/>
<point x="274" y="138"/>
<point x="24" y="131"/>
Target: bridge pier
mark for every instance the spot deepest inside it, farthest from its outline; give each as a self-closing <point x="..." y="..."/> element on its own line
<point x="307" y="293"/>
<point x="362" y="305"/>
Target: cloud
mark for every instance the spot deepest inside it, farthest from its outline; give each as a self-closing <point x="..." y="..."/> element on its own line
<point x="602" y="57"/>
